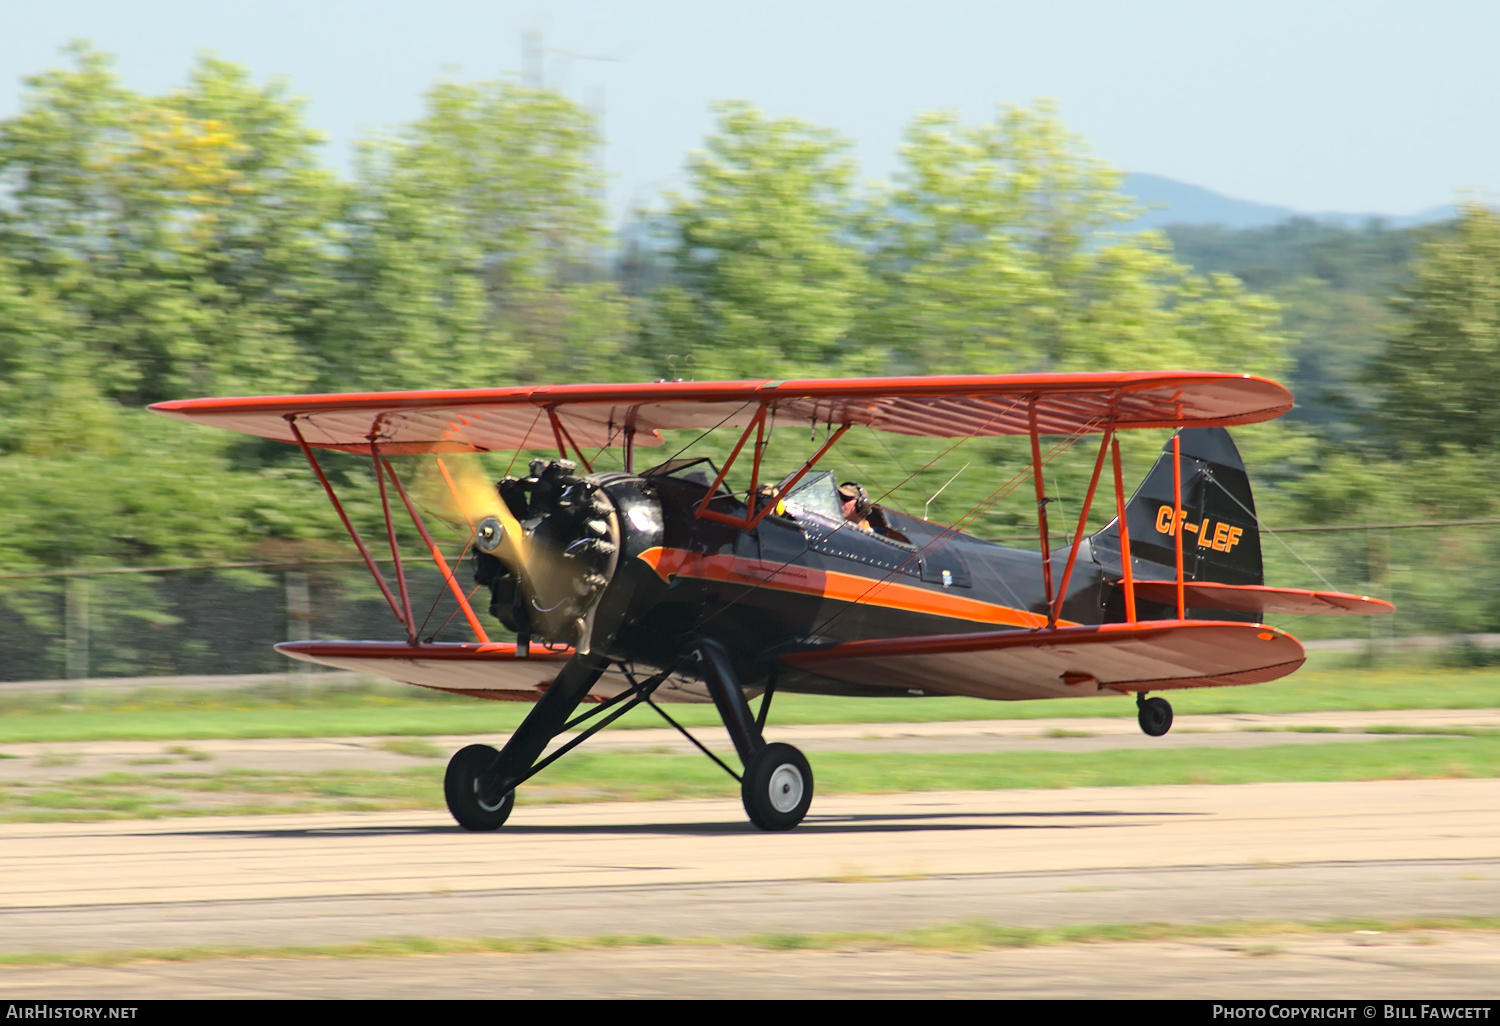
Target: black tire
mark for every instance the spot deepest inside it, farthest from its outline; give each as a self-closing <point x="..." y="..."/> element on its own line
<point x="1155" y="716"/>
<point x="465" y="788"/>
<point x="777" y="787"/>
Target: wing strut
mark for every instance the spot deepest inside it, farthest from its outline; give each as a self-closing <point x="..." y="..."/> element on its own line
<point x="1041" y="505"/>
<point x="754" y="516"/>
<point x="560" y="432"/>
<point x="1177" y="523"/>
<point x="437" y="557"/>
<point x="1129" y="579"/>
<point x="1083" y="517"/>
<point x="390" y="532"/>
<point x="359" y="543"/>
<point x="405" y="618"/>
<point x="755" y="422"/>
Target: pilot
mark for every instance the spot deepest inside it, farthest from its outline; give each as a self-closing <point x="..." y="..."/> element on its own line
<point x="855" y="503"/>
<point x="765" y="496"/>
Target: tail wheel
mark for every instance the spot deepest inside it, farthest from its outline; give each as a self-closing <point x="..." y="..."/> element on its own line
<point x="469" y="788"/>
<point x="777" y="787"/>
<point x="1155" y="716"/>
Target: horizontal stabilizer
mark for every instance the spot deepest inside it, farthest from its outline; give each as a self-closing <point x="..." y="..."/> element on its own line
<point x="1154" y="655"/>
<point x="1254" y="598"/>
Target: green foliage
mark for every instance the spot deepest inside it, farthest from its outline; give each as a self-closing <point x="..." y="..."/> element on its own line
<point x="187" y="235"/>
<point x="1439" y="375"/>
<point x="985" y="238"/>
<point x="1332" y="285"/>
<point x="997" y="256"/>
<point x="991" y="254"/>
<point x="158" y="247"/>
<point x="50" y="401"/>
<point x="768" y="279"/>
<point x="473" y="240"/>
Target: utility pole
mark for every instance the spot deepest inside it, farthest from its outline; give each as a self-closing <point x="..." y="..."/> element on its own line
<point x="298" y="623"/>
<point x="76" y="594"/>
<point x="532" y="75"/>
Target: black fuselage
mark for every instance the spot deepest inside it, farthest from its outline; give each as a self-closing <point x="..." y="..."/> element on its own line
<point x="803" y="579"/>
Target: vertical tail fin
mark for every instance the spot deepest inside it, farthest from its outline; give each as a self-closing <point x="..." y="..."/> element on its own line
<point x="1220" y="540"/>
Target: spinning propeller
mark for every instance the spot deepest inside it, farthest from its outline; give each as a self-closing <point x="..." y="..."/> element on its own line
<point x="497" y="532"/>
<point x="556" y="537"/>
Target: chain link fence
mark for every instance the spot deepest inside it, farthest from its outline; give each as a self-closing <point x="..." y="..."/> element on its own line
<point x="155" y="622"/>
<point x="220" y="620"/>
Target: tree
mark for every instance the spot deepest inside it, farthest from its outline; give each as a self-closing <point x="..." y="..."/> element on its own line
<point x="1439" y="373"/>
<point x="188" y="234"/>
<point x="769" y="277"/>
<point x="1333" y="284"/>
<point x="474" y="243"/>
<point x="996" y="255"/>
<point x="149" y="248"/>
<point x="49" y="395"/>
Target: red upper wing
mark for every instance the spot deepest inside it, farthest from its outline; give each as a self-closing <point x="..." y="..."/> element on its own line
<point x="484" y="419"/>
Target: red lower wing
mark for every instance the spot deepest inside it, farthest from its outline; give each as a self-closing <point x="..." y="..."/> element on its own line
<point x="1066" y="662"/>
<point x="484" y="671"/>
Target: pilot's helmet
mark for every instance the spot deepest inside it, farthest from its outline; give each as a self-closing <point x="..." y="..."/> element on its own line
<point x="854" y="490"/>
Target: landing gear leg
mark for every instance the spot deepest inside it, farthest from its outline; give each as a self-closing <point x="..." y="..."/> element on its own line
<point x="1154" y="714"/>
<point x="480" y="783"/>
<point x="777" y="785"/>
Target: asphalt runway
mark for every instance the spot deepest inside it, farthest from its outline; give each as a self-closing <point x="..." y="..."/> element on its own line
<point x="1300" y="851"/>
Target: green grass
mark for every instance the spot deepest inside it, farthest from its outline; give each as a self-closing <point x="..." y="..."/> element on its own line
<point x="1329" y="683"/>
<point x="636" y="776"/>
<point x="972" y="935"/>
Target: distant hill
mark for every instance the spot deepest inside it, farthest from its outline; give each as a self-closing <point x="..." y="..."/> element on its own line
<point x="1171" y="202"/>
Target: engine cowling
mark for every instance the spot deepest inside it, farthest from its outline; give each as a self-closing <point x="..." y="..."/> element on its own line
<point x="577" y="531"/>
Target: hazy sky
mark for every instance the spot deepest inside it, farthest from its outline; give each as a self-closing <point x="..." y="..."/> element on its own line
<point x="1320" y="105"/>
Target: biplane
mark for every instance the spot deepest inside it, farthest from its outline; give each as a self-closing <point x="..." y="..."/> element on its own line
<point x="635" y="586"/>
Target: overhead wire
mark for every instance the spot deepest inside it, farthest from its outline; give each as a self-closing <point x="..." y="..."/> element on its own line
<point x="1261" y="526"/>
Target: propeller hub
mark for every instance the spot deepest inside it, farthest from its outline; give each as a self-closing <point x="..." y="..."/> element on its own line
<point x="489" y="534"/>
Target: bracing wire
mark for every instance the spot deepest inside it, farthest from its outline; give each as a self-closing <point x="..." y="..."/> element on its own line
<point x="516" y="453"/>
<point x="956" y="528"/>
<point x="807" y="548"/>
<point x="1260" y="526"/>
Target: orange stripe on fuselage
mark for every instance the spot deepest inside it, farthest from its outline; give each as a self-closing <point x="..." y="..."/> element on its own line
<point x="832" y="584"/>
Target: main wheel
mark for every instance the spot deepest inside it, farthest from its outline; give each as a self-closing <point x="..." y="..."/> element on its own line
<point x="1155" y="715"/>
<point x="469" y="788"/>
<point x="777" y="787"/>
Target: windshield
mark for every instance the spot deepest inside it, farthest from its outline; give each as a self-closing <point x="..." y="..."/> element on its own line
<point x="818" y="493"/>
